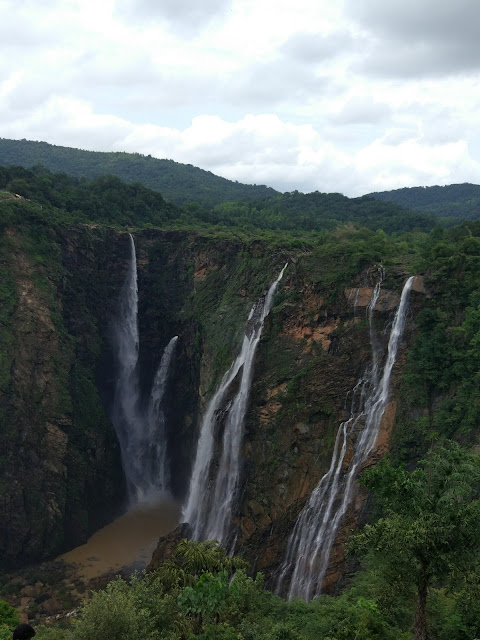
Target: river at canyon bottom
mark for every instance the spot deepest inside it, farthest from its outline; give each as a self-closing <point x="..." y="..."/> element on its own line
<point x="126" y="543"/>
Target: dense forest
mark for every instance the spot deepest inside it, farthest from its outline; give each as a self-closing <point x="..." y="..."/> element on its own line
<point x="415" y="565"/>
<point x="454" y="201"/>
<point x="177" y="182"/>
<point x="108" y="200"/>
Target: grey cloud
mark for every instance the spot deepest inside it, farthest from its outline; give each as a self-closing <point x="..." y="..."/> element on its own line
<point x="361" y="110"/>
<point x="418" y="38"/>
<point x="186" y="15"/>
<point x="276" y="82"/>
<point x="421" y="59"/>
<point x="313" y="47"/>
<point x="419" y="19"/>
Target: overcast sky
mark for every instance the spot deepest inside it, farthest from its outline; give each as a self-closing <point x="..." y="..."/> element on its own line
<point x="331" y="95"/>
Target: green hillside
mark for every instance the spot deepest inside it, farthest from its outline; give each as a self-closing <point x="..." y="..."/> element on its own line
<point x="458" y="201"/>
<point x="177" y="182"/>
<point x="108" y="200"/>
<point x="318" y="211"/>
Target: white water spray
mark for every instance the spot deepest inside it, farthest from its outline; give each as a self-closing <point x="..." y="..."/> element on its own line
<point x="125" y="342"/>
<point x="311" y="541"/>
<point x="141" y="432"/>
<point x="212" y="492"/>
<point x="147" y="447"/>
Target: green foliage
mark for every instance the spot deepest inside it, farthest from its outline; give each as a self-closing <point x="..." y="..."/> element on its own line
<point x="316" y="212"/>
<point x="107" y="200"/>
<point x="443" y="364"/>
<point x="112" y="612"/>
<point x="178" y="182"/>
<point x="455" y="201"/>
<point x="428" y="534"/>
<point x="206" y="597"/>
<point x="192" y="559"/>
<point x="8" y="615"/>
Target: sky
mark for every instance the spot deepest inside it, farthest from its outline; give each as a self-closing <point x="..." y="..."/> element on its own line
<point x="348" y="96"/>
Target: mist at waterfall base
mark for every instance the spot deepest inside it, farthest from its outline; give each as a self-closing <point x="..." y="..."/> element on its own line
<point x="309" y="546"/>
<point x="213" y="487"/>
<point x="140" y="425"/>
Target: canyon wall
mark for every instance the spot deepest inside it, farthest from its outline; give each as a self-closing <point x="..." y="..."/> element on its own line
<point x="60" y="467"/>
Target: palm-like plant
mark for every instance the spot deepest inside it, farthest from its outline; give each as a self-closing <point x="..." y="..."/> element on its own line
<point x="192" y="559"/>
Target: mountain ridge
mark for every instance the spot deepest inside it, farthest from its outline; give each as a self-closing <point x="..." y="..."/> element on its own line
<point x="458" y="201"/>
<point x="178" y="182"/>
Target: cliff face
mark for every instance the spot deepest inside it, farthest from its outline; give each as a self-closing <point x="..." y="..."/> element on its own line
<point x="60" y="470"/>
<point x="59" y="466"/>
<point x="61" y="473"/>
<point x="313" y="353"/>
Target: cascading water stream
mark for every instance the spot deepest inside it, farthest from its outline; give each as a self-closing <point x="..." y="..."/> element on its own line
<point x="125" y="409"/>
<point x="141" y="432"/>
<point x="146" y="448"/>
<point x="212" y="496"/>
<point x="311" y="541"/>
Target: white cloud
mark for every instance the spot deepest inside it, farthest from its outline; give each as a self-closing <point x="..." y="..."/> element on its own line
<point x="343" y="96"/>
<point x="258" y="148"/>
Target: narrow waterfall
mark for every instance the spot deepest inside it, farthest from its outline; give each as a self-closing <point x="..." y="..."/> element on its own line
<point x="212" y="490"/>
<point x="125" y="411"/>
<point x="309" y="546"/>
<point x="147" y="445"/>
<point x="141" y="431"/>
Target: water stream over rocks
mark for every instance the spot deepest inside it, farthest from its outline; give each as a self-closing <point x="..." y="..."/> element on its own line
<point x="310" y="544"/>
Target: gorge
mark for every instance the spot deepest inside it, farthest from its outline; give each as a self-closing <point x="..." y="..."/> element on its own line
<point x="157" y="284"/>
<point x="253" y="381"/>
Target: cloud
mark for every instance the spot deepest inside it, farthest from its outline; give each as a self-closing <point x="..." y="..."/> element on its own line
<point x="278" y="81"/>
<point x="185" y="15"/>
<point x="432" y="20"/>
<point x="361" y="110"/>
<point x="297" y="95"/>
<point x="417" y="38"/>
<point x="256" y="149"/>
<point x="312" y="48"/>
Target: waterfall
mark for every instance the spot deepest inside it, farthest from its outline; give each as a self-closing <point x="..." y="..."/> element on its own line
<point x="141" y="432"/>
<point x="213" y="490"/>
<point x="147" y="446"/>
<point x="309" y="546"/>
<point x="125" y="411"/>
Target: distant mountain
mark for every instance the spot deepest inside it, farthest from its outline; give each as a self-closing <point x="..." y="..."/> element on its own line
<point x="318" y="211"/>
<point x="459" y="201"/>
<point x="178" y="183"/>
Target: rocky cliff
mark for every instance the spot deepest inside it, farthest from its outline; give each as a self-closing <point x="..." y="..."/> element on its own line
<point x="61" y="473"/>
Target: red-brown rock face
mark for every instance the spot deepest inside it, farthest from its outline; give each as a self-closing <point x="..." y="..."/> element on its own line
<point x="311" y="357"/>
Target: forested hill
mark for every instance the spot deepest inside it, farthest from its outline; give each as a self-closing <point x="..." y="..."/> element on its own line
<point x="459" y="201"/>
<point x="108" y="200"/>
<point x="317" y="211"/>
<point x="177" y="182"/>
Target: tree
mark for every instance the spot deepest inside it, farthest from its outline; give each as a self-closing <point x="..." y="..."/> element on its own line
<point x="430" y="530"/>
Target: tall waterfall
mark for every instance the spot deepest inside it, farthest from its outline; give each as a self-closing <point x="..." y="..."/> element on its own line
<point x="140" y="430"/>
<point x="311" y="541"/>
<point x="125" y="412"/>
<point x="213" y="490"/>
